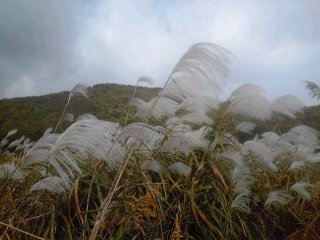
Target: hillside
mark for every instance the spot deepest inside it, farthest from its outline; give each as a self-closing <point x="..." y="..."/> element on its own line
<point x="33" y="115"/>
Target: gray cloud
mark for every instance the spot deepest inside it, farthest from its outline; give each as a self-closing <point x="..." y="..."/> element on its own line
<point x="38" y="45"/>
<point x="51" y="45"/>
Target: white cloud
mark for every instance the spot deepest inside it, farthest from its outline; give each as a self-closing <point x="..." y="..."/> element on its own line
<point x="147" y="38"/>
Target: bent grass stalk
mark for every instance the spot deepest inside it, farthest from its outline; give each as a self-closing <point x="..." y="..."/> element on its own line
<point x="106" y="203"/>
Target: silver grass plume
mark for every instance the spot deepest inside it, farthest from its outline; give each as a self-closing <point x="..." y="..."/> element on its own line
<point x="242" y="179"/>
<point x="287" y="105"/>
<point x="241" y="202"/>
<point x="156" y="107"/>
<point x="183" y="139"/>
<point x="201" y="69"/>
<point x="248" y="100"/>
<point x="180" y="168"/>
<point x="25" y="146"/>
<point x="229" y="139"/>
<point x="270" y="139"/>
<point x="11" y="171"/>
<point x="172" y="122"/>
<point x="177" y="141"/>
<point x="16" y="142"/>
<point x="81" y="140"/>
<point x="86" y="116"/>
<point x="199" y="104"/>
<point x="47" y="131"/>
<point x="235" y="156"/>
<point x="68" y="117"/>
<point x="204" y="62"/>
<point x="78" y="89"/>
<point x="301" y="189"/>
<point x="245" y="127"/>
<point x="305" y="153"/>
<point x="52" y="184"/>
<point x="145" y="79"/>
<point x="277" y="143"/>
<point x="144" y="133"/>
<point x="5" y="140"/>
<point x="297" y="165"/>
<point x="44" y="154"/>
<point x="11" y="132"/>
<point x="265" y="156"/>
<point x="277" y="198"/>
<point x="152" y="165"/>
<point x="302" y="134"/>
<point x="197" y="119"/>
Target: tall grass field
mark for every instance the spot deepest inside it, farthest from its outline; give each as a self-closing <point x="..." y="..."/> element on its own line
<point x="183" y="165"/>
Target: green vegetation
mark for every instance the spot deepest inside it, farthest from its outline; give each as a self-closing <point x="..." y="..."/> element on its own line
<point x="33" y="115"/>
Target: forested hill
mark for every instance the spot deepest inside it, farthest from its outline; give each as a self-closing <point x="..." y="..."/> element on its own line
<point x="33" y="115"/>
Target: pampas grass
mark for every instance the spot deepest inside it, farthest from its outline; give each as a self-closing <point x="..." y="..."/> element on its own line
<point x="277" y="198"/>
<point x="188" y="177"/>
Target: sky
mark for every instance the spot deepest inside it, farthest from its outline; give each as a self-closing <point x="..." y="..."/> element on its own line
<point x="48" y="46"/>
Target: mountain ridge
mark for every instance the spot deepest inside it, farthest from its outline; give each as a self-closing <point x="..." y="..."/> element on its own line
<point x="32" y="115"/>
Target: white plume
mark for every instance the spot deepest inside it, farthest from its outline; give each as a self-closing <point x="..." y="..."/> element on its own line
<point x="301" y="189"/>
<point x="68" y="117"/>
<point x="248" y="100"/>
<point x="277" y="143"/>
<point x="11" y="132"/>
<point x="11" y="171"/>
<point x="297" y="165"/>
<point x="157" y="108"/>
<point x="197" y="118"/>
<point x="277" y="198"/>
<point x="241" y="203"/>
<point x="173" y="121"/>
<point x="287" y="105"/>
<point x="52" y="184"/>
<point x="265" y="156"/>
<point x="234" y="156"/>
<point x="16" y="142"/>
<point x="245" y="127"/>
<point x="47" y="131"/>
<point x="302" y="135"/>
<point x="242" y="179"/>
<point x="144" y="133"/>
<point x="200" y="72"/>
<point x="86" y="116"/>
<point x="184" y="139"/>
<point x="81" y="140"/>
<point x="203" y="65"/>
<point x="145" y="79"/>
<point x="79" y="89"/>
<point x="152" y="165"/>
<point x="180" y="168"/>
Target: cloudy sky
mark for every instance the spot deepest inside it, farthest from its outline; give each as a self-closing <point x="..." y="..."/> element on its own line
<point x="48" y="46"/>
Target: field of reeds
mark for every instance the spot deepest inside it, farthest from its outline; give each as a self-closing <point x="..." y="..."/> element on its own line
<point x="183" y="165"/>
